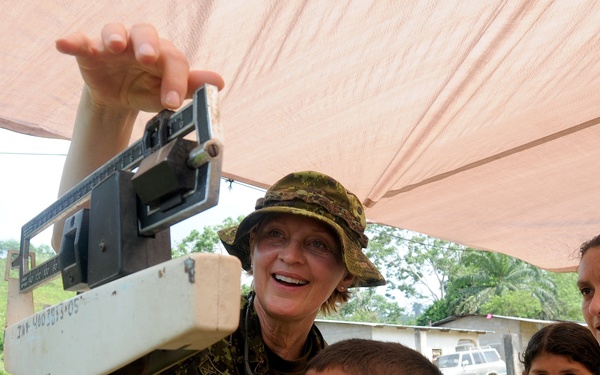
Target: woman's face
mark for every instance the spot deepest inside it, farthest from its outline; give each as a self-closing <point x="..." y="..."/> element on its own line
<point x="297" y="264"/>
<point x="554" y="364"/>
<point x="588" y="283"/>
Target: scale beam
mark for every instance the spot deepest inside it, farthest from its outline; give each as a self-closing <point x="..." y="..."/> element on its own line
<point x="186" y="303"/>
<point x="201" y="116"/>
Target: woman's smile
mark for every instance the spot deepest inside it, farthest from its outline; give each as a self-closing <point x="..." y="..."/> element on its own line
<point x="289" y="280"/>
<point x="297" y="265"/>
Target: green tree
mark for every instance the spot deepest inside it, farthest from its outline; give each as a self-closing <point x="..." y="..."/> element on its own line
<point x="490" y="274"/>
<point x="460" y="280"/>
<point x="7" y="245"/>
<point x="511" y="303"/>
<point x="207" y="241"/>
<point x="437" y="311"/>
<point x="568" y="294"/>
<point x="418" y="266"/>
<point x="366" y="305"/>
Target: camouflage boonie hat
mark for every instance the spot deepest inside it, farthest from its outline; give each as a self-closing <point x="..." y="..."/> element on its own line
<point x="320" y="197"/>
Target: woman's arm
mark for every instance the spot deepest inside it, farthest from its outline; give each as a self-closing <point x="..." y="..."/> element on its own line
<point x="124" y="71"/>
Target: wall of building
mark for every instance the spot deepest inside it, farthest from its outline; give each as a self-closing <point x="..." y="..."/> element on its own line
<point x="498" y="327"/>
<point x="428" y="341"/>
<point x="337" y="331"/>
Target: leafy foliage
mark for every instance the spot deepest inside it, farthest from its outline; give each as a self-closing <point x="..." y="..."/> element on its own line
<point x="205" y="242"/>
<point x="491" y="276"/>
<point x="459" y="280"/>
<point x="567" y="295"/>
<point x="510" y="303"/>
<point x="366" y="305"/>
<point x="437" y="311"/>
<point x="417" y="265"/>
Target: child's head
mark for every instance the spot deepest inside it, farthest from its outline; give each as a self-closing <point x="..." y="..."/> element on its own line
<point x="370" y="357"/>
<point x="562" y="346"/>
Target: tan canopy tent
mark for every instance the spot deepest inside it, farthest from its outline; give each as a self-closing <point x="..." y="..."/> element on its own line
<point x="471" y="121"/>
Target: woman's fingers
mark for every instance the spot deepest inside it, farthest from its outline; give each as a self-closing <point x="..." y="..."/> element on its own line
<point x="115" y="37"/>
<point x="145" y="43"/>
<point x="198" y="78"/>
<point x="76" y="44"/>
<point x="175" y="69"/>
<point x="133" y="64"/>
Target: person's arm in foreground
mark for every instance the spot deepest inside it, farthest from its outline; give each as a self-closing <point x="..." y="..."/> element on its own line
<point x="125" y="71"/>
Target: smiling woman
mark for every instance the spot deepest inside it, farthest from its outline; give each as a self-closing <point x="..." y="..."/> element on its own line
<point x="314" y="211"/>
<point x="303" y="244"/>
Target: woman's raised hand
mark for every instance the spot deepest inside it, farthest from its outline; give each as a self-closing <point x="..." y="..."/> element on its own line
<point x="134" y="69"/>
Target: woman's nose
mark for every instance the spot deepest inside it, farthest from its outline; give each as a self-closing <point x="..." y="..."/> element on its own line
<point x="594" y="306"/>
<point x="292" y="252"/>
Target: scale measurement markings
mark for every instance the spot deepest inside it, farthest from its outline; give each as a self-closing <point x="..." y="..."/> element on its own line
<point x="40" y="273"/>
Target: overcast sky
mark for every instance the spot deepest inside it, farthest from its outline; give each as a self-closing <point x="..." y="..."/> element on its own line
<point x="30" y="170"/>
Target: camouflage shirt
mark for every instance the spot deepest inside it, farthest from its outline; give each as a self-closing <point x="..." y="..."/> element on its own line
<point x="226" y="357"/>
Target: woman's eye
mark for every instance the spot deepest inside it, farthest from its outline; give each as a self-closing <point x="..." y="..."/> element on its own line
<point x="585" y="291"/>
<point x="274" y="233"/>
<point x="319" y="244"/>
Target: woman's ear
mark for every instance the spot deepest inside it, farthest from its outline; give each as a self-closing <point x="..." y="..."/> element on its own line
<point x="345" y="282"/>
